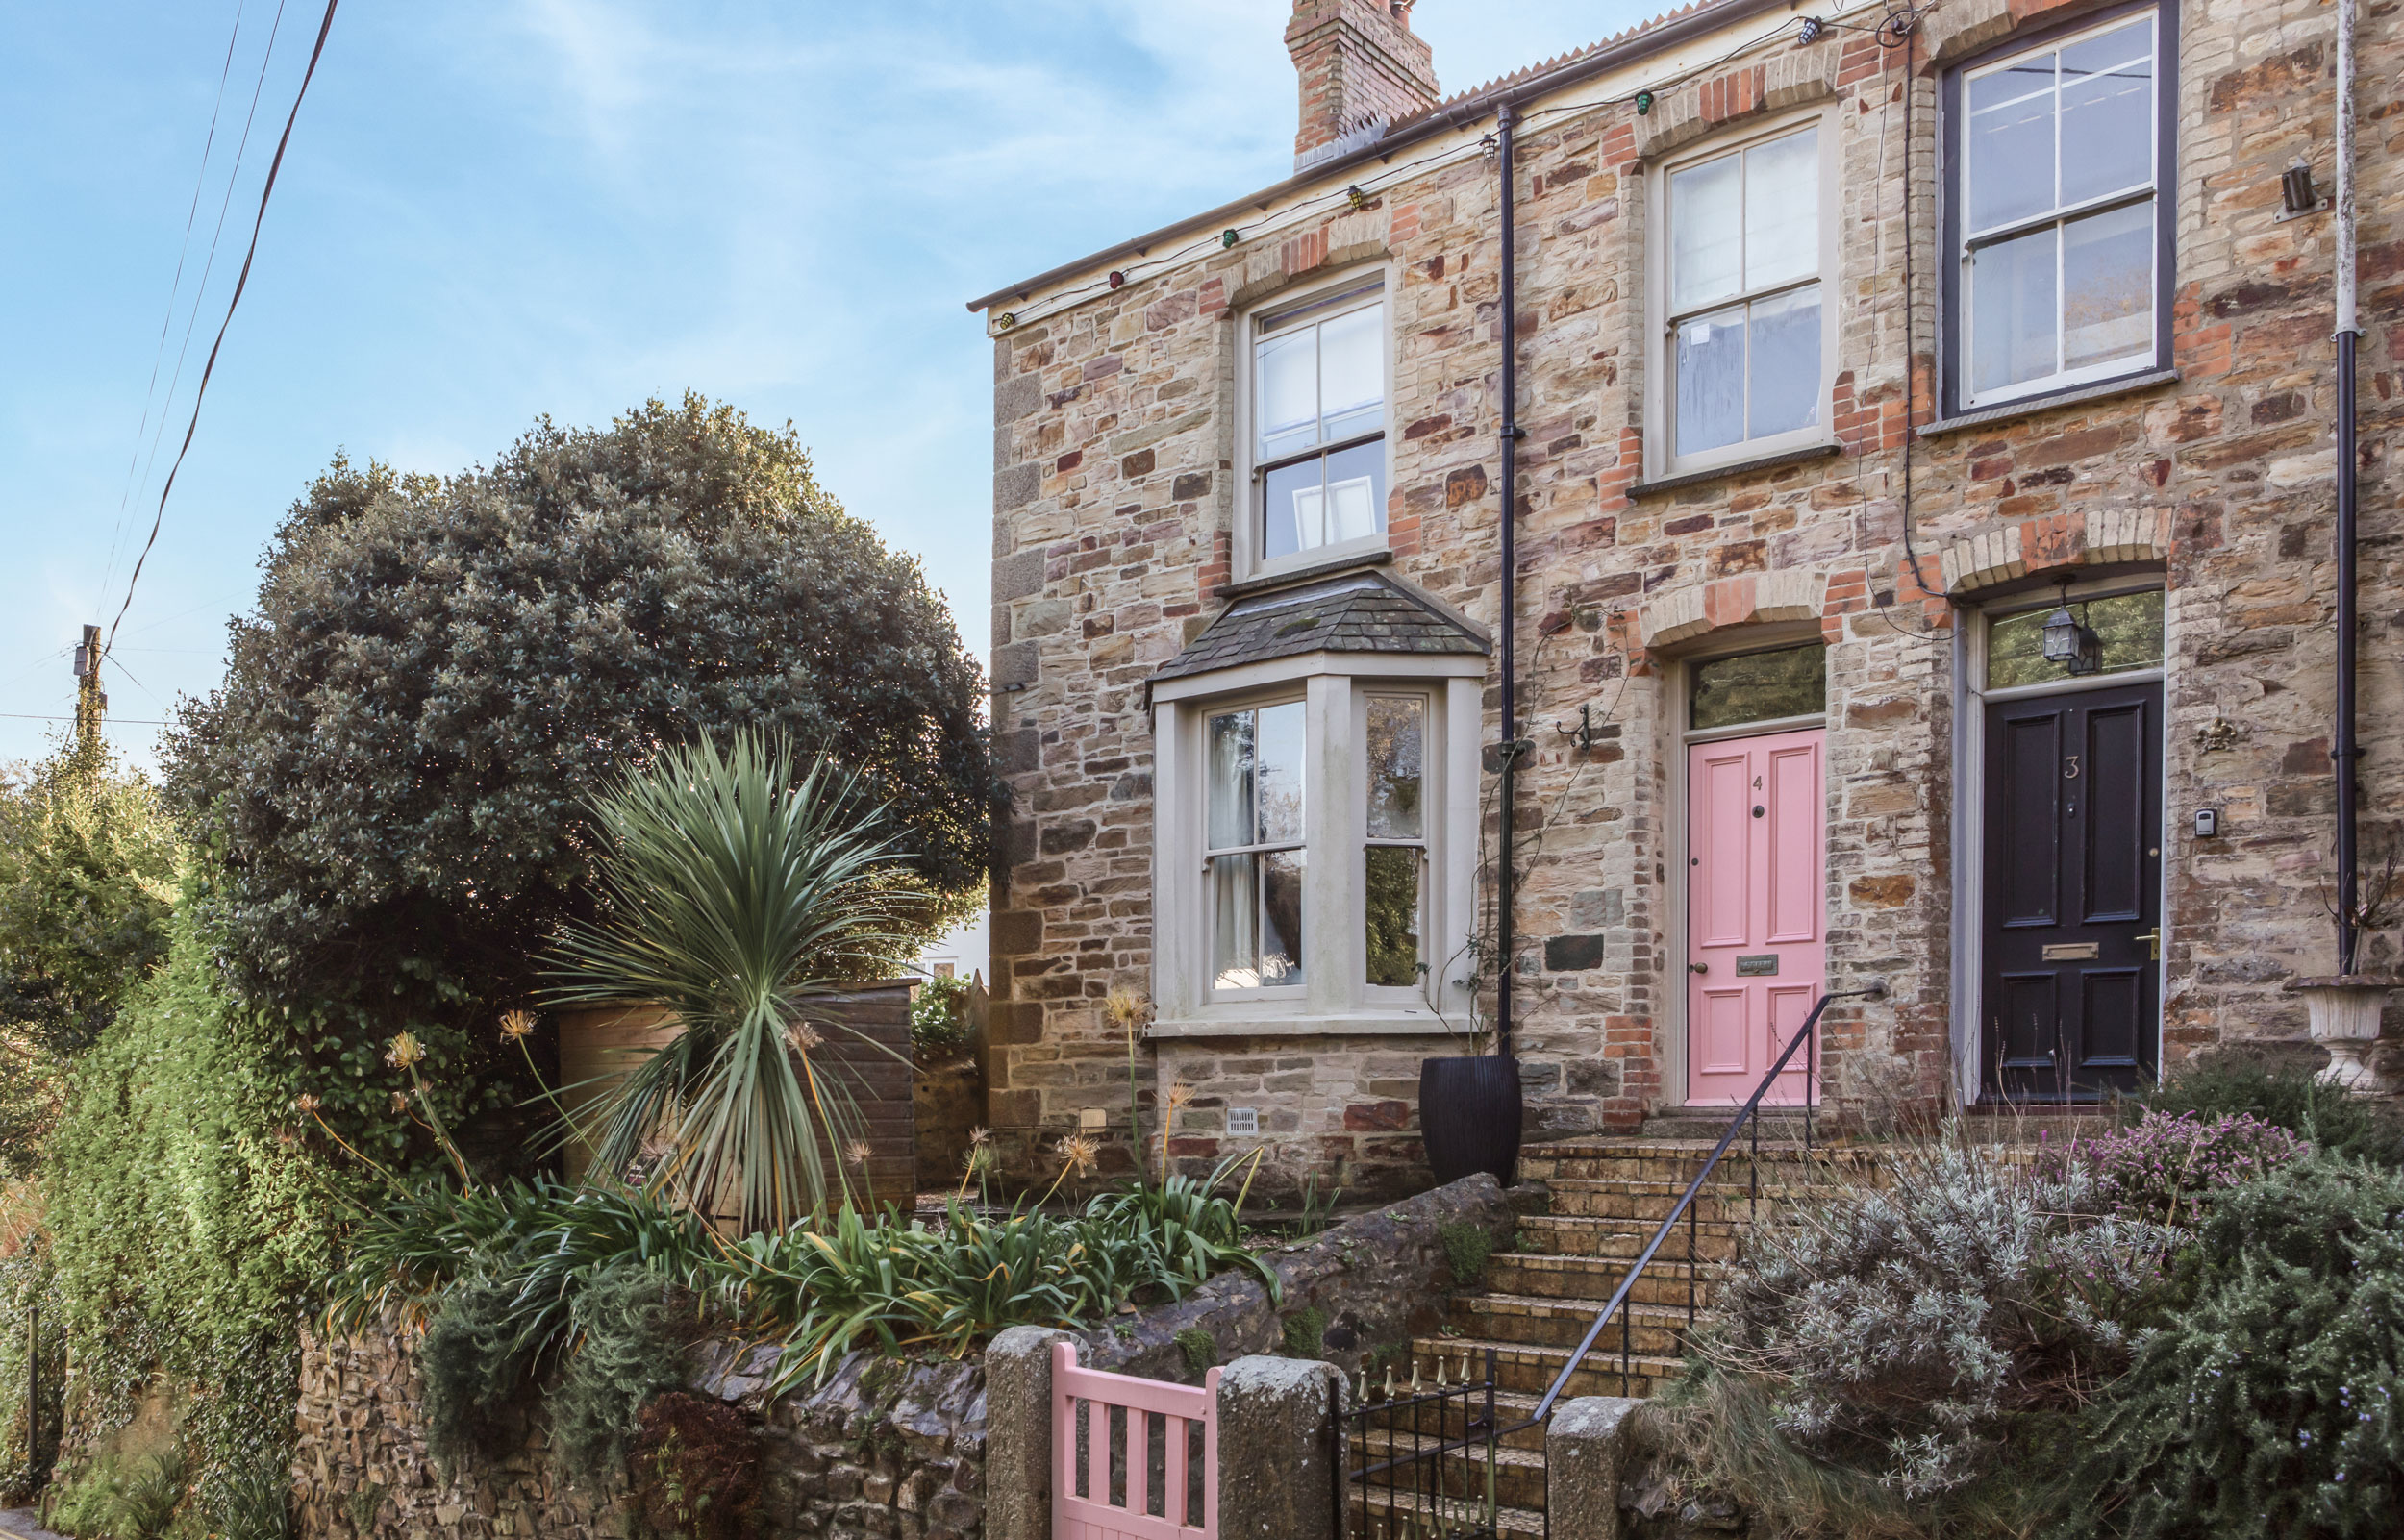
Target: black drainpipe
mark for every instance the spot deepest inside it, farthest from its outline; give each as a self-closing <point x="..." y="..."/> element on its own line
<point x="1506" y="886"/>
<point x="2342" y="748"/>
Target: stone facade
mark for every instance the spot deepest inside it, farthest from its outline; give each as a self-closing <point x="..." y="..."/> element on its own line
<point x="1116" y="453"/>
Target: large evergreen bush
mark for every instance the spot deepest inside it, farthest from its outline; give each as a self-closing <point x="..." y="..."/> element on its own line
<point x="390" y="783"/>
<point x="2270" y="1404"/>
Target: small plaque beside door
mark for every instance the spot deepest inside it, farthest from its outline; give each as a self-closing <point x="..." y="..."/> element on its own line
<point x="1757" y="965"/>
<point x="2070" y="952"/>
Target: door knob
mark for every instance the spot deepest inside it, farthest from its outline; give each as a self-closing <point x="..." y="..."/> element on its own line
<point x="1698" y="967"/>
<point x="2153" y="942"/>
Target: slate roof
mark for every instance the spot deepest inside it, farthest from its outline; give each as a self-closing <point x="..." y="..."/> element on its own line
<point x="1363" y="612"/>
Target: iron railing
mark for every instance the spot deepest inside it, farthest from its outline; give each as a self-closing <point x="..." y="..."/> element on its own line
<point x="1419" y="1461"/>
<point x="1745" y="1115"/>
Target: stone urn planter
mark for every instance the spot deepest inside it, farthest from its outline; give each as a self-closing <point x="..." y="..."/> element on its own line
<point x="1470" y="1116"/>
<point x="2344" y="1009"/>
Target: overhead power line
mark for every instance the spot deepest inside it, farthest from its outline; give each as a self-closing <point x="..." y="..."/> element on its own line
<point x="183" y="250"/>
<point x="200" y="392"/>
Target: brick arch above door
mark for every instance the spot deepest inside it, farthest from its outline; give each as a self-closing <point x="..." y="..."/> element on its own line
<point x="2009" y="552"/>
<point x="1677" y="615"/>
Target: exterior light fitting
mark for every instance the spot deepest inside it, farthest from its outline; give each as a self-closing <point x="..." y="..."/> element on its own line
<point x="2068" y="642"/>
<point x="1643" y="102"/>
<point x="1117" y="278"/>
<point x="1354" y="196"/>
<point x="1813" y="27"/>
<point x="1227" y="237"/>
<point x="1008" y="319"/>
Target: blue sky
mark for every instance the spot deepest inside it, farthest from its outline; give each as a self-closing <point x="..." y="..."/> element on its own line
<point x="505" y="209"/>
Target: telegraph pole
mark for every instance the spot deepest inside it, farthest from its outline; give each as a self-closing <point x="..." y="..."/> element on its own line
<point x="90" y="705"/>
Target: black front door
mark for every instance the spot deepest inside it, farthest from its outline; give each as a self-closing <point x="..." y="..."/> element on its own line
<point x="2073" y="894"/>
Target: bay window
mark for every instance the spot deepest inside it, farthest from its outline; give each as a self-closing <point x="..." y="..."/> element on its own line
<point x="2057" y="153"/>
<point x="1315" y="836"/>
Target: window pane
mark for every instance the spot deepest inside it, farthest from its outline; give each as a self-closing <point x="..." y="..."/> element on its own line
<point x="2022" y="77"/>
<point x="1706" y="232"/>
<point x="1391" y="914"/>
<point x="1356" y="492"/>
<point x="2107" y="113"/>
<point x="2012" y="161"/>
<point x="2012" y="312"/>
<point x="1286" y="391"/>
<point x="1397" y="737"/>
<point x="1255" y="920"/>
<point x="1352" y="369"/>
<point x="1231" y="759"/>
<point x="1279" y="775"/>
<point x="1785" y="353"/>
<point x="1294" y="514"/>
<point x="2108" y="285"/>
<point x="2128" y="627"/>
<point x="1711" y="381"/>
<point x="1759" y="686"/>
<point x="1782" y="210"/>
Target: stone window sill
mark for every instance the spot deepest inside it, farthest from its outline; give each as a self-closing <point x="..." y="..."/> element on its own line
<point x="1742" y="467"/>
<point x="1364" y="1023"/>
<point x="2102" y="390"/>
<point x="1287" y="577"/>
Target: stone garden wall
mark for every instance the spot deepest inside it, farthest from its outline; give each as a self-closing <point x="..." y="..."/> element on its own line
<point x="885" y="1448"/>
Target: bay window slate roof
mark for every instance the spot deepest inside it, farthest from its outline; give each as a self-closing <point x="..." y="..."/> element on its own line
<point x="1356" y="612"/>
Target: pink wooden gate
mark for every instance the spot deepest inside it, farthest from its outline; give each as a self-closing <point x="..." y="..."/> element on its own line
<point x="1755" y="881"/>
<point x="1132" y="1459"/>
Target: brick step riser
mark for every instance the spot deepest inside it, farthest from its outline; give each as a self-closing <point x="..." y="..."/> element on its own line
<point x="1663" y="1283"/>
<point x="1624" y="1241"/>
<point x="1517" y="1485"/>
<point x="1651" y="1205"/>
<point x="1516" y="1523"/>
<point x="1734" y="1173"/>
<point x="1532" y="1374"/>
<point x="1651" y="1335"/>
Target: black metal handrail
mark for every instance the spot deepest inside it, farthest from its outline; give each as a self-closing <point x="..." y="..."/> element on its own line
<point x="1746" y="1114"/>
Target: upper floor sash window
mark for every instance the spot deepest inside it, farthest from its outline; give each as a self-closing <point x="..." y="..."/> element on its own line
<point x="1747" y="336"/>
<point x="1318" y="408"/>
<point x="2056" y="169"/>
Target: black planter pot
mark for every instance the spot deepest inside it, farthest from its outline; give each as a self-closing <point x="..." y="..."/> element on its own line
<point x="1470" y="1116"/>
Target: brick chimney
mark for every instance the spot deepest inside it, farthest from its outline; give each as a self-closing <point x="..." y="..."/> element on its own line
<point x="1362" y="68"/>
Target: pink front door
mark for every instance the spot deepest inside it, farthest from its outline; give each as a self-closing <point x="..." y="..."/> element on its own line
<point x="1756" y="873"/>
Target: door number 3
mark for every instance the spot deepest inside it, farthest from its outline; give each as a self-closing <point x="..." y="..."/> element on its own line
<point x="2069" y="768"/>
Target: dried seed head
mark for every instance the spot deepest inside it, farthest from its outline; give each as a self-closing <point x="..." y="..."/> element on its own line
<point x="307" y="1103"/>
<point x="978" y="1138"/>
<point x="857" y="1151"/>
<point x="803" y="1037"/>
<point x="1179" y="1094"/>
<point x="1082" y="1153"/>
<point x="1126" y="1009"/>
<point x="518" y="1024"/>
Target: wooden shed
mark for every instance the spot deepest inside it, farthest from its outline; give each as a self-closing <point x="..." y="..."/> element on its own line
<point x="598" y="1048"/>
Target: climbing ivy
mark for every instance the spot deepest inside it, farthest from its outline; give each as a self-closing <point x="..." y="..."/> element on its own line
<point x="188" y="1222"/>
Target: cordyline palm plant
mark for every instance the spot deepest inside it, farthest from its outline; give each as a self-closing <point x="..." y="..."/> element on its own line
<point x="739" y="896"/>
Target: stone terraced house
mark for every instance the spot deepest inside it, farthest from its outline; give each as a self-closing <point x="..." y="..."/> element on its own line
<point x="1849" y="347"/>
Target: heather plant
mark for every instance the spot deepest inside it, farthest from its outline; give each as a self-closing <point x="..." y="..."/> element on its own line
<point x="2269" y="1403"/>
<point x="2166" y="1167"/>
<point x="1900" y="1356"/>
<point x="2335" y="1120"/>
